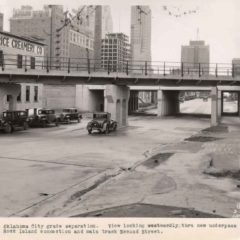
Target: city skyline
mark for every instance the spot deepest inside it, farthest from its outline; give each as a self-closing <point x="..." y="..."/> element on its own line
<point x="169" y="33"/>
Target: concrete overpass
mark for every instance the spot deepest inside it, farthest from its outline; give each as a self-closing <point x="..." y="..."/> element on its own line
<point x="166" y="78"/>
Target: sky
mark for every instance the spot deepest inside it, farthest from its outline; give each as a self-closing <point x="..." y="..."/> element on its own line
<point x="215" y="21"/>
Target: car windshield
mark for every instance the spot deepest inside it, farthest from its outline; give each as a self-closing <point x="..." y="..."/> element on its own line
<point x="46" y="111"/>
<point x="21" y="114"/>
<point x="7" y="114"/>
<point x="66" y="110"/>
<point x="99" y="116"/>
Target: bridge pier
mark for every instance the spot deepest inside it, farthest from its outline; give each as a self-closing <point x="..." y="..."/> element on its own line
<point x="215" y="106"/>
<point x="116" y="102"/>
<point x="168" y="102"/>
<point x="11" y="90"/>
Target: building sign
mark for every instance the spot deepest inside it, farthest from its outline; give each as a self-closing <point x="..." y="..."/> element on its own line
<point x="18" y="44"/>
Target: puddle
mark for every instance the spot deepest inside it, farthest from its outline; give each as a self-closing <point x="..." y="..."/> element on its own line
<point x="216" y="129"/>
<point x="201" y="139"/>
<point x="149" y="210"/>
<point x="157" y="159"/>
<point x="230" y="174"/>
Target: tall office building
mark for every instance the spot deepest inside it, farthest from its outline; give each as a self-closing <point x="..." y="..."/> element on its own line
<point x="76" y="40"/>
<point x="62" y="42"/>
<point x="115" y="52"/>
<point x="141" y="33"/>
<point x="102" y="25"/>
<point x="195" y="57"/>
<point x="1" y="22"/>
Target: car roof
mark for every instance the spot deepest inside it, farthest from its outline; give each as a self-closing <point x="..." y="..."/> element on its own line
<point x="101" y="113"/>
<point x="14" y="111"/>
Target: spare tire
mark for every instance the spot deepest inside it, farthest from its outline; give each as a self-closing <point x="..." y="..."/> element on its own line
<point x="8" y="128"/>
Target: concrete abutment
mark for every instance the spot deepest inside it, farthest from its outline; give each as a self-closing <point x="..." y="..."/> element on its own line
<point x="116" y="102"/>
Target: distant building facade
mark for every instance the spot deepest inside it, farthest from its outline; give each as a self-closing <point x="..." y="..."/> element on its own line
<point x="19" y="52"/>
<point x="236" y="66"/>
<point x="63" y="42"/>
<point x="75" y="40"/>
<point x="141" y="33"/>
<point x="195" y="58"/>
<point x="115" y="52"/>
<point x="1" y="22"/>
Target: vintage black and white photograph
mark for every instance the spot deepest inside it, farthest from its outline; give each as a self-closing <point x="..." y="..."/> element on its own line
<point x="120" y="109"/>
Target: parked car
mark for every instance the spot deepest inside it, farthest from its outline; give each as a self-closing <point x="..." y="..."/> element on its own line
<point x="69" y="114"/>
<point x="102" y="123"/>
<point x="43" y="117"/>
<point x="12" y="120"/>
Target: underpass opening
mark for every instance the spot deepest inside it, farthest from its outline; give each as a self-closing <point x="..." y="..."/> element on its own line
<point x="195" y="103"/>
<point x="230" y="103"/>
<point x="96" y="100"/>
<point x="143" y="103"/>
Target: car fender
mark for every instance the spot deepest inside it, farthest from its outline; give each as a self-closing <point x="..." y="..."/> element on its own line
<point x="104" y="126"/>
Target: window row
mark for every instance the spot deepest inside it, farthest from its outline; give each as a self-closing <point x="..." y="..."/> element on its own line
<point x="81" y="40"/>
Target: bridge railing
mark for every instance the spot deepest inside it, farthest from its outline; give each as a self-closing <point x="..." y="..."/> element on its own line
<point x="28" y="62"/>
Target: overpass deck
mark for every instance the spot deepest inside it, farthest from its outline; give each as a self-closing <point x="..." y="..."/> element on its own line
<point x="89" y="71"/>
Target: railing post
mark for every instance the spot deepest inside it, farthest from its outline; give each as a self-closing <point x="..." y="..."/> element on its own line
<point x="127" y="68"/>
<point x="216" y="70"/>
<point x="89" y="69"/>
<point x="199" y="69"/>
<point x="164" y="69"/>
<point x="182" y="69"/>
<point x="69" y="65"/>
<point x="47" y="65"/>
<point x="146" y="68"/>
<point x="108" y="67"/>
<point x="25" y="63"/>
<point x="233" y="71"/>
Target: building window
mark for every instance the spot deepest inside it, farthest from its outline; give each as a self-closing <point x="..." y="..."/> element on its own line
<point x="27" y="93"/>
<point x="19" y="97"/>
<point x="9" y="98"/>
<point x="1" y="58"/>
<point x="19" y="61"/>
<point x="32" y="62"/>
<point x="35" y="93"/>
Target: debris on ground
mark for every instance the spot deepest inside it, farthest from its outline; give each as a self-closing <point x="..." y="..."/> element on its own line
<point x="157" y="159"/>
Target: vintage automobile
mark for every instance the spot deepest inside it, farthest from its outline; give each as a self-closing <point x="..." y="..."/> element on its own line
<point x="13" y="120"/>
<point x="102" y="123"/>
<point x="43" y="117"/>
<point x="69" y="114"/>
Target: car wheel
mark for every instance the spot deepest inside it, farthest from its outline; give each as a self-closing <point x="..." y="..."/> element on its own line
<point x="115" y="127"/>
<point x="25" y="126"/>
<point x="89" y="131"/>
<point x="8" y="128"/>
<point x="107" y="129"/>
<point x="44" y="124"/>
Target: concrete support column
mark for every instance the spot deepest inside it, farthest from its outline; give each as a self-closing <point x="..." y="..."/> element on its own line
<point x="219" y="103"/>
<point x="168" y="103"/>
<point x="116" y="102"/>
<point x="239" y="103"/>
<point x="214" y="106"/>
<point x="12" y="103"/>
